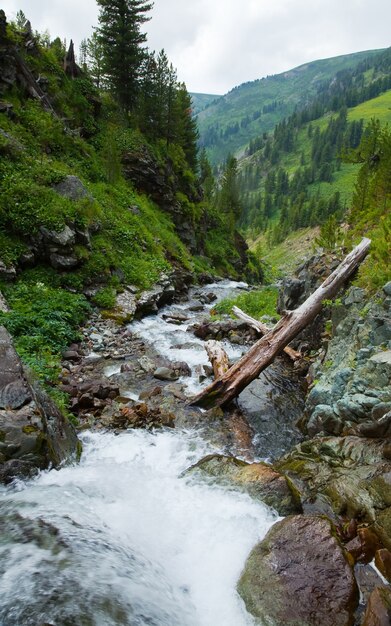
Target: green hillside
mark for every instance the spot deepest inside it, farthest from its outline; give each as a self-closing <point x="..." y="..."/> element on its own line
<point x="202" y="100"/>
<point x="253" y="108"/>
<point x="99" y="193"/>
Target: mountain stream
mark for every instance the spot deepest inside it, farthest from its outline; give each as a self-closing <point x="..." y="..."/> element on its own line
<point x="123" y="537"/>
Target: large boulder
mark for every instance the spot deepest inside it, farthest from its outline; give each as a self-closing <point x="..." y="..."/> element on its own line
<point x="260" y="480"/>
<point x="33" y="432"/>
<point x="151" y="300"/>
<point x="298" y="576"/>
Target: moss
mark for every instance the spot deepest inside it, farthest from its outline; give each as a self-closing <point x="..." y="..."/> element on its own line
<point x="30" y="429"/>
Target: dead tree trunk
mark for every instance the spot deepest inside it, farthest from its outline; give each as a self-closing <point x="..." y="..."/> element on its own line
<point x="223" y="390"/>
<point x="218" y="358"/>
<point x="262" y="329"/>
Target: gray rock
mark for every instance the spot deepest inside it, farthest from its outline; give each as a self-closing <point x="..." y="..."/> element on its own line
<point x="33" y="432"/>
<point x="7" y="272"/>
<point x="72" y="187"/>
<point x="64" y="238"/>
<point x="63" y="262"/>
<point x="126" y="304"/>
<point x="165" y="373"/>
<point x="3" y="304"/>
<point x="387" y="288"/>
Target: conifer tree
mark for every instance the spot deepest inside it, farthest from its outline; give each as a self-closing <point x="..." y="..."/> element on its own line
<point x="122" y="40"/>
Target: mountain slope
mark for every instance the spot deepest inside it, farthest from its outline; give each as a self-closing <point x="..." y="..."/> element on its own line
<point x="253" y="108"/>
<point x="202" y="100"/>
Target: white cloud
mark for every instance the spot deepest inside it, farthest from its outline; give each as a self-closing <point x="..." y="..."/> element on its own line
<point x="217" y="44"/>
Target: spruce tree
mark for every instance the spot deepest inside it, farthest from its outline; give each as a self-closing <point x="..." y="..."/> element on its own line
<point x="122" y="42"/>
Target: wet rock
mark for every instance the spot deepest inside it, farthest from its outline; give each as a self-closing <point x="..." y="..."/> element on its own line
<point x="349" y="472"/>
<point x="224" y="329"/>
<point x="383" y="563"/>
<point x="175" y="317"/>
<point x="33" y="432"/>
<point x="261" y="481"/>
<point x="299" y="575"/>
<point x="364" y="546"/>
<point x="367" y="580"/>
<point x="196" y="308"/>
<point x="166" y="373"/>
<point x="138" y="415"/>
<point x="378" y="612"/>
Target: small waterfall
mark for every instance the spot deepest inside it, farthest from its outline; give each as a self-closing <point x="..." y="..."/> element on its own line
<point x="123" y="539"/>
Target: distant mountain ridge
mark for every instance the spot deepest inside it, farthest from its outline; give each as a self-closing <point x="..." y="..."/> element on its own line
<point x="228" y="123"/>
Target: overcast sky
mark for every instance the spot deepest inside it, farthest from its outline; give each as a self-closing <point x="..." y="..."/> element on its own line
<point x="218" y="44"/>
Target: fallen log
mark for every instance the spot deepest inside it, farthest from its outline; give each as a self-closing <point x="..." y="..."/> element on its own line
<point x="218" y="357"/>
<point x="227" y="387"/>
<point x="262" y="329"/>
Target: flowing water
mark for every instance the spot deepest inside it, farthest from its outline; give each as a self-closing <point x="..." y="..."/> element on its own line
<point x="124" y="538"/>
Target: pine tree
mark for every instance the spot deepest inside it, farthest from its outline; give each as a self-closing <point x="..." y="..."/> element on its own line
<point x="122" y="42"/>
<point x="229" y="197"/>
<point x="95" y="59"/>
<point x="186" y="132"/>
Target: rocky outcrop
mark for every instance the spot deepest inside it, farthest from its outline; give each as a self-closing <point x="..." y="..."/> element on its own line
<point x="33" y="432"/>
<point x="260" y="480"/>
<point x="343" y="477"/>
<point x="150" y="301"/>
<point x="352" y="394"/>
<point x="299" y="576"/>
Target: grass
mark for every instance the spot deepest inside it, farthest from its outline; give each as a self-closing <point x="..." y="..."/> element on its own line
<point x="283" y="258"/>
<point x="379" y="107"/>
<point x="258" y="304"/>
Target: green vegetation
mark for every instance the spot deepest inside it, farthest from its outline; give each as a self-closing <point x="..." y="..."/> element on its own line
<point x="130" y="158"/>
<point x="44" y="320"/>
<point x="229" y="124"/>
<point x="255" y="303"/>
<point x="370" y="214"/>
<point x="200" y="101"/>
<point x="282" y="259"/>
<point x="307" y="172"/>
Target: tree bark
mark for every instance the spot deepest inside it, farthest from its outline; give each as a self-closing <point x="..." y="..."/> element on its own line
<point x="262" y="329"/>
<point x="227" y="387"/>
<point x="218" y="358"/>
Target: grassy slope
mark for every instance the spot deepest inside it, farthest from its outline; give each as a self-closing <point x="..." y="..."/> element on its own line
<point x="290" y="89"/>
<point x="284" y="258"/>
<point x="202" y="100"/>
